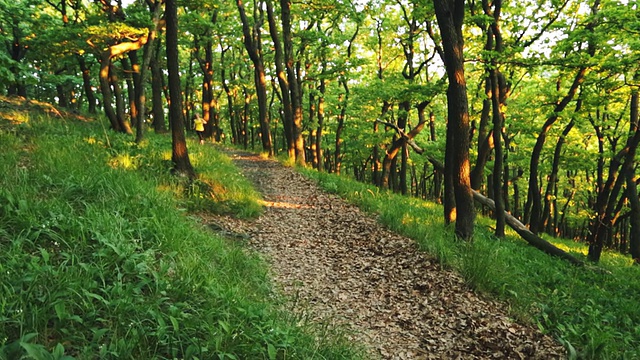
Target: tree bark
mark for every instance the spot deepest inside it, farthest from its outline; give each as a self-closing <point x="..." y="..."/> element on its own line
<point x="86" y="84"/>
<point x="600" y="227"/>
<point x="294" y="89"/>
<point x="143" y="72"/>
<point x="549" y="204"/>
<point x="283" y="81"/>
<point x="180" y="153"/>
<point x="157" y="109"/>
<point x="450" y="16"/>
<point x="252" y="43"/>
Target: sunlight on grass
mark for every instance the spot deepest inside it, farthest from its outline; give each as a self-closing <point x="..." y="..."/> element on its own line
<point x="124" y="161"/>
<point x="581" y="249"/>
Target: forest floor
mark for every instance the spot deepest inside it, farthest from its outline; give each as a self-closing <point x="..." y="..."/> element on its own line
<point x="338" y="266"/>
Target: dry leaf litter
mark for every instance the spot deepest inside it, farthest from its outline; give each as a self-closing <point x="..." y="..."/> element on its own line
<point x="345" y="269"/>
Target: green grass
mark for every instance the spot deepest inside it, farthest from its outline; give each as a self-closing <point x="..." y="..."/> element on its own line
<point x="99" y="258"/>
<point x="595" y="314"/>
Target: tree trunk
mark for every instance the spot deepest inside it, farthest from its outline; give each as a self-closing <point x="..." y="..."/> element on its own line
<point x="450" y="16"/>
<point x="131" y="69"/>
<point x="600" y="228"/>
<point x="485" y="142"/>
<point x="319" y="156"/>
<point x="148" y="54"/>
<point x="157" y="109"/>
<point x="125" y="125"/>
<point x="498" y="158"/>
<point x="86" y="84"/>
<point x="295" y="91"/>
<point x="107" y="94"/>
<point x="252" y="43"/>
<point x="553" y="179"/>
<point x="534" y="198"/>
<point x="634" y="217"/>
<point x="180" y="153"/>
<point x="283" y="82"/>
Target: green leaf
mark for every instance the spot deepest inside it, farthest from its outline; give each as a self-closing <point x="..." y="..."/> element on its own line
<point x="35" y="351"/>
<point x="58" y="351"/>
<point x="272" y="351"/>
<point x="225" y="326"/>
<point x="174" y="323"/>
<point x="45" y="255"/>
<point x="61" y="311"/>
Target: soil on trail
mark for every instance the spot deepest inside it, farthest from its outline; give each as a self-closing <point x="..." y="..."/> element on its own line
<point x="344" y="268"/>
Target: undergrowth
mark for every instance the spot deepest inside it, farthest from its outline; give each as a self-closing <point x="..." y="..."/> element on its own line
<point x="99" y="258"/>
<point x="594" y="314"/>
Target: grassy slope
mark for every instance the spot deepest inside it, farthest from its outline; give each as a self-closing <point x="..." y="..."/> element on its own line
<point x="595" y="314"/>
<point x="99" y="260"/>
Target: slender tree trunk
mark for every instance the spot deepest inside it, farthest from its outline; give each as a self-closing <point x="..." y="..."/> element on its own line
<point x="534" y="198"/>
<point x="131" y="69"/>
<point x="107" y="94"/>
<point x="144" y="73"/>
<point x="634" y="216"/>
<point x="340" y="128"/>
<point x="319" y="155"/>
<point x="157" y="109"/>
<point x="485" y="142"/>
<point x="601" y="225"/>
<point x="295" y="90"/>
<point x="120" y="108"/>
<point x="86" y="84"/>
<point x="499" y="157"/>
<point x="252" y="43"/>
<point x="553" y="178"/>
<point x="283" y="81"/>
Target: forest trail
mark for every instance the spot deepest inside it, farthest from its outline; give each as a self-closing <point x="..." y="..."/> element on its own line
<point x="341" y="267"/>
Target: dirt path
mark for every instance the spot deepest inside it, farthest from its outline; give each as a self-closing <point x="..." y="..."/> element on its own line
<point x="346" y="269"/>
